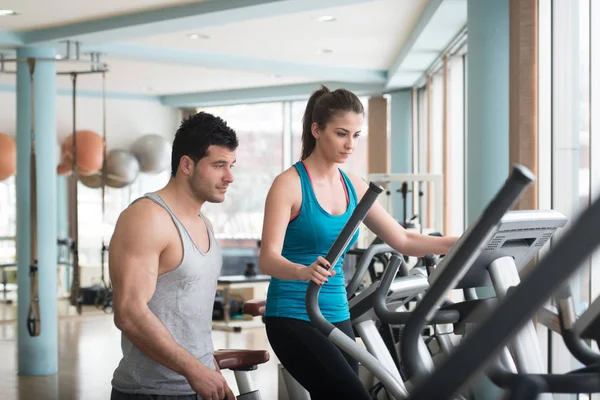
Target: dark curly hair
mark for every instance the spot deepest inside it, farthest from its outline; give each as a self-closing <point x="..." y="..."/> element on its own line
<point x="196" y="133"/>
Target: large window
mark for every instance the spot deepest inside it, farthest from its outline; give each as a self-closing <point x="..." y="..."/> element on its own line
<point x="8" y="220"/>
<point x="569" y="46"/>
<point x="441" y="117"/>
<point x="259" y="160"/>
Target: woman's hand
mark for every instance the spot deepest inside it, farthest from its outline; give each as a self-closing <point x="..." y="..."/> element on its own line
<point x="318" y="272"/>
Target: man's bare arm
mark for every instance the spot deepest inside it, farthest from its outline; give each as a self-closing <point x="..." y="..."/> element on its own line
<point x="135" y="249"/>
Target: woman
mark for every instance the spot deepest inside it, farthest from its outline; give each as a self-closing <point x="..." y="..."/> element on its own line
<point x="306" y="208"/>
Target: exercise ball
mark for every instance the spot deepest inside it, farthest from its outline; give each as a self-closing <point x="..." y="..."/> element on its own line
<point x="89" y="152"/>
<point x="63" y="169"/>
<point x="93" y="181"/>
<point x="153" y="153"/>
<point x="122" y="168"/>
<point x="8" y="156"/>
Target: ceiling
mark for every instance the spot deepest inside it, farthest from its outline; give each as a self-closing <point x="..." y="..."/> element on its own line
<point x="194" y="53"/>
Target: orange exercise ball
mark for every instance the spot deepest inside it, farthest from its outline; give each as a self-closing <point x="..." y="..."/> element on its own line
<point x="8" y="156"/>
<point x="89" y="153"/>
<point x="63" y="169"/>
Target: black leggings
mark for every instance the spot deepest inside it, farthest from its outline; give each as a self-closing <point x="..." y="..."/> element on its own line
<point x="314" y="360"/>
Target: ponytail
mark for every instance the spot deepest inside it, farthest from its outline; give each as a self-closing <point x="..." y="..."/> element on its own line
<point x="308" y="140"/>
<point x="321" y="107"/>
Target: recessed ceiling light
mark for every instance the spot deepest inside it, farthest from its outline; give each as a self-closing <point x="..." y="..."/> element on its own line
<point x="276" y="76"/>
<point x="325" y="51"/>
<point x="326" y="18"/>
<point x="195" y="36"/>
<point x="8" y="13"/>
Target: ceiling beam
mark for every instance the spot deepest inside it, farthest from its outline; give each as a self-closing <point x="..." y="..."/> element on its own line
<point x="174" y="19"/>
<point x="263" y="94"/>
<point x="10" y="39"/>
<point x="439" y="23"/>
<point x="424" y="20"/>
<point x="239" y="63"/>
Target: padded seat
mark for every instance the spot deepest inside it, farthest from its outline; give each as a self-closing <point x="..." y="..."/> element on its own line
<point x="255" y="307"/>
<point x="240" y="359"/>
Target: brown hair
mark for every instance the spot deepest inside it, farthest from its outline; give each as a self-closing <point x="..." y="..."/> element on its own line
<point x="322" y="106"/>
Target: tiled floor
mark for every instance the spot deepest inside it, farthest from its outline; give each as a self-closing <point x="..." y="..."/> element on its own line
<point x="89" y="350"/>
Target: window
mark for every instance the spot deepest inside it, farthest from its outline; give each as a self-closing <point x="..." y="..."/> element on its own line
<point x="8" y="220"/>
<point x="259" y="160"/>
<point x="568" y="175"/>
<point x="430" y="145"/>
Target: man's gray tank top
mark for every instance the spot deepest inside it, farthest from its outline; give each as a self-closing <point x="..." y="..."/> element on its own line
<point x="183" y="301"/>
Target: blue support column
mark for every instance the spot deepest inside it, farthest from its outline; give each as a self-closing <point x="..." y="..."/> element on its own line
<point x="488" y="92"/>
<point x="37" y="355"/>
<point x="62" y="224"/>
<point x="62" y="215"/>
<point x="488" y="118"/>
<point x="401" y="148"/>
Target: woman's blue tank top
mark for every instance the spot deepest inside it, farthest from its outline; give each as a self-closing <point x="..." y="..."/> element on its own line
<point x="309" y="235"/>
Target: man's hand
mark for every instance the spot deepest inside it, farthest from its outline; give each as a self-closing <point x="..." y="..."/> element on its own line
<point x="209" y="384"/>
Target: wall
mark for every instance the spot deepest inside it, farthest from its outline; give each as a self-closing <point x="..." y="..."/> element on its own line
<point x="126" y="120"/>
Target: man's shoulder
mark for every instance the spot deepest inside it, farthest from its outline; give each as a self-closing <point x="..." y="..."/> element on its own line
<point x="143" y="214"/>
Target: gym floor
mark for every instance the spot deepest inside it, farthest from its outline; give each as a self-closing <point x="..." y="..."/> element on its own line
<point x="89" y="350"/>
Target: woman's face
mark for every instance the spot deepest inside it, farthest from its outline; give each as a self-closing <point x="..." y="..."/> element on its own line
<point x="340" y="136"/>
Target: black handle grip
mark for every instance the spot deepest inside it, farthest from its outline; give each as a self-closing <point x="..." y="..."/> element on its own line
<point x="359" y="214"/>
<point x="334" y="253"/>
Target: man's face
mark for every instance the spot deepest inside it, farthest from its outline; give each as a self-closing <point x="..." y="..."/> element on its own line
<point x="213" y="174"/>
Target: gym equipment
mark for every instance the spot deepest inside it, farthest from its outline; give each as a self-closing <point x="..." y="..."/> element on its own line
<point x="295" y="391"/>
<point x="381" y="258"/>
<point x="241" y="362"/>
<point x="34" y="323"/>
<point x="464" y="253"/>
<point x="96" y="146"/>
<point x="235" y="307"/>
<point x="256" y="307"/>
<point x="8" y="156"/>
<point x="93" y="181"/>
<point x="377" y="251"/>
<point x="379" y="341"/>
<point x="122" y="168"/>
<point x="409" y="223"/>
<point x="153" y="153"/>
<point x="585" y="327"/>
<point x="435" y="194"/>
<point x="573" y="331"/>
<point x="34" y="317"/>
<point x="511" y="314"/>
<point x="250" y="270"/>
<point x="88" y="146"/>
<point x="518" y="238"/>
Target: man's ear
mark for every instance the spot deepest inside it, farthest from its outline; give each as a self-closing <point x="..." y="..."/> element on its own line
<point x="187" y="165"/>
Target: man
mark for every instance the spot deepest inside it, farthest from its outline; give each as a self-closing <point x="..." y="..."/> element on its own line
<point x="164" y="264"/>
